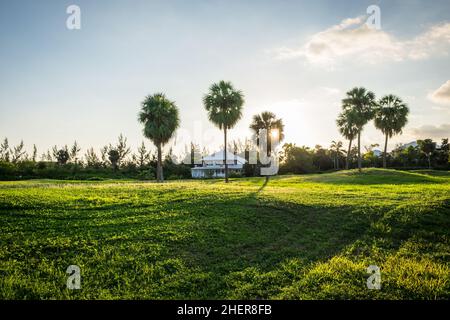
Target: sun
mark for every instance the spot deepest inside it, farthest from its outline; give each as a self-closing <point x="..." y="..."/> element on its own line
<point x="274" y="133"/>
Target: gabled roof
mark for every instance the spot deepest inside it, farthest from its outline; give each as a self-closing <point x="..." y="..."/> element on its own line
<point x="219" y="156"/>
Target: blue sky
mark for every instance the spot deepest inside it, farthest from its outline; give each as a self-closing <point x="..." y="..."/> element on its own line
<point x="60" y="85"/>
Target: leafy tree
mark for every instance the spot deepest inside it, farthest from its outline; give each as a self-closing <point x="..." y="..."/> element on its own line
<point x="5" y="152"/>
<point x="427" y="146"/>
<point x="74" y="152"/>
<point x="296" y="159"/>
<point x="62" y="156"/>
<point x="18" y="152"/>
<point x="336" y="152"/>
<point x="391" y="116"/>
<point x="160" y="118"/>
<point x="322" y="159"/>
<point x="113" y="157"/>
<point x="92" y="160"/>
<point x="224" y="106"/>
<point x="34" y="156"/>
<point x="443" y="154"/>
<point x="143" y="156"/>
<point x="122" y="148"/>
<point x="104" y="155"/>
<point x="360" y="103"/>
<point x="348" y="129"/>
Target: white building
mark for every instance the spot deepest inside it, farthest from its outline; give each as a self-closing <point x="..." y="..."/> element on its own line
<point x="213" y="166"/>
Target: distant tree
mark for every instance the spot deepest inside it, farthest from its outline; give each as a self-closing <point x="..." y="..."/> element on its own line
<point x="114" y="156"/>
<point x="92" y="160"/>
<point x="18" y="152"/>
<point x="391" y="116"/>
<point x="427" y="146"/>
<point x="369" y="155"/>
<point x="62" y="156"/>
<point x="47" y="156"/>
<point x="74" y="151"/>
<point x="143" y="156"/>
<point x="360" y="104"/>
<point x="444" y="154"/>
<point x="224" y="106"/>
<point x="160" y="118"/>
<point x="122" y="148"/>
<point x="336" y="152"/>
<point x="5" y="152"/>
<point x="322" y="159"/>
<point x="296" y="159"/>
<point x="34" y="156"/>
<point x="104" y="155"/>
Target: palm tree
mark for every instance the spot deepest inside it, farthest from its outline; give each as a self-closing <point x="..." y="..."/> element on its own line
<point x="336" y="151"/>
<point x="273" y="126"/>
<point x="160" y="118"/>
<point x="224" y="106"/>
<point x="390" y="117"/>
<point x="349" y="130"/>
<point x="360" y="102"/>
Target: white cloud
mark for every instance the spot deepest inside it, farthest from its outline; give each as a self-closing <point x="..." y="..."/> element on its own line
<point x="431" y="131"/>
<point x="442" y="94"/>
<point x="353" y="39"/>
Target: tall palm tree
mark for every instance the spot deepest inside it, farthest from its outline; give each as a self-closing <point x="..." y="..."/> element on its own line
<point x="273" y="126"/>
<point x="361" y="102"/>
<point x="224" y="106"/>
<point x="349" y="130"/>
<point x="336" y="151"/>
<point x="390" y="117"/>
<point x="160" y="118"/>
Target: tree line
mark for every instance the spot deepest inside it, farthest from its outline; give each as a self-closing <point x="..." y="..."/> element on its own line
<point x="159" y="117"/>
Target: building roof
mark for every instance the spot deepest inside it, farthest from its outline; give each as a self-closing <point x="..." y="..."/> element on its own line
<point x="219" y="156"/>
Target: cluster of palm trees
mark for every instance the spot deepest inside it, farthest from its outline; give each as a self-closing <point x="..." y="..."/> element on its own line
<point x="223" y="103"/>
<point x="390" y="115"/>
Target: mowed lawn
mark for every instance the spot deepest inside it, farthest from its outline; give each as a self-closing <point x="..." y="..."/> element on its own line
<point x="298" y="237"/>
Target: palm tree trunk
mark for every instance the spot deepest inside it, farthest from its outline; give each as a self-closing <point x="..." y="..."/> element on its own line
<point x="359" y="151"/>
<point x="385" y="151"/>
<point x="347" y="164"/>
<point x="225" y="153"/>
<point x="159" y="170"/>
<point x="429" y="161"/>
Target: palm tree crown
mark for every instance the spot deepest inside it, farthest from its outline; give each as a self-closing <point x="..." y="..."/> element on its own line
<point x="224" y="104"/>
<point x="360" y="103"/>
<point x="268" y="121"/>
<point x="160" y="118"/>
<point x="391" y="115"/>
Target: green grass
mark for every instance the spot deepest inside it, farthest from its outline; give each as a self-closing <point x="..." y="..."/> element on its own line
<point x="298" y="237"/>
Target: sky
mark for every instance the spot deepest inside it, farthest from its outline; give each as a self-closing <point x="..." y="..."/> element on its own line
<point x="294" y="58"/>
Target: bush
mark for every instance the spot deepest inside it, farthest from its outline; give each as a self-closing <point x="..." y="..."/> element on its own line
<point x="146" y="175"/>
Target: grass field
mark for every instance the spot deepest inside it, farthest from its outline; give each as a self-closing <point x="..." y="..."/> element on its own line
<point x="298" y="237"/>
